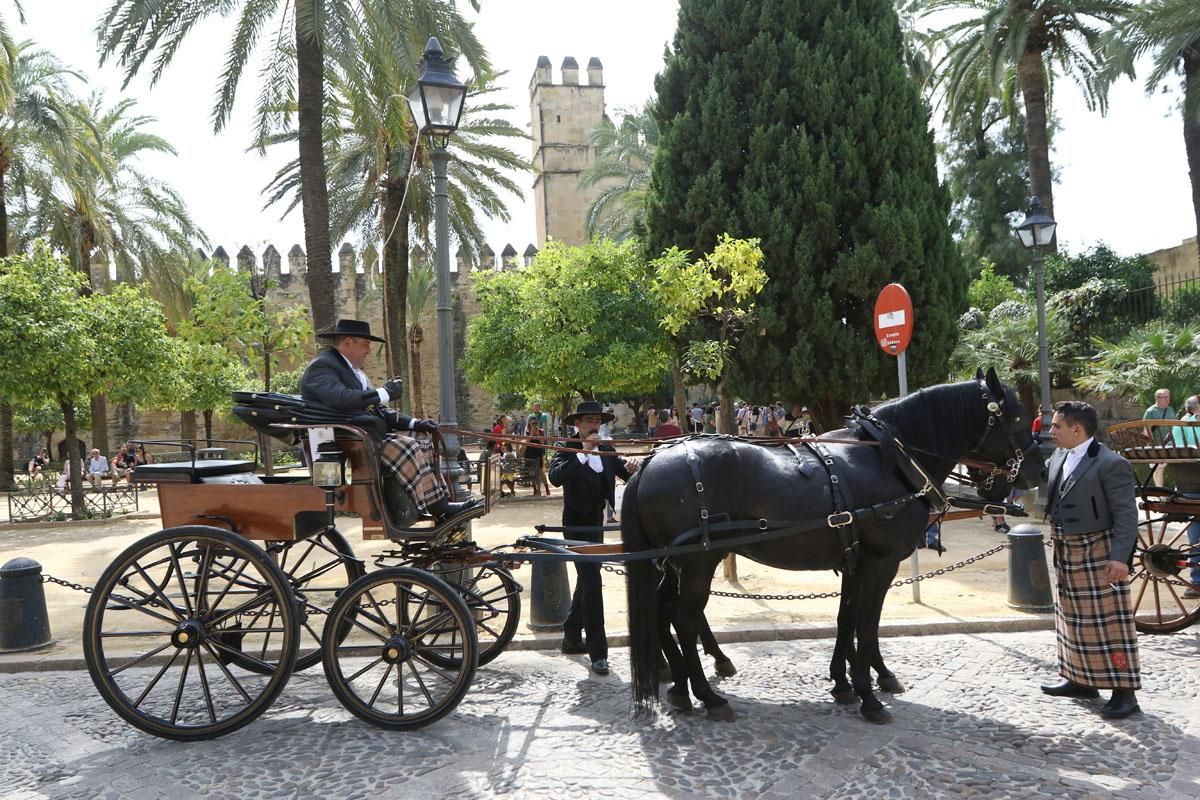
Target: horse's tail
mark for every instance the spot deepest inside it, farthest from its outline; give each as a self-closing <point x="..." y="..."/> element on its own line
<point x="641" y="589"/>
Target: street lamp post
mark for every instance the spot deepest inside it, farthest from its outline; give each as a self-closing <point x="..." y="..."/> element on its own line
<point x="436" y="103"/>
<point x="1036" y="232"/>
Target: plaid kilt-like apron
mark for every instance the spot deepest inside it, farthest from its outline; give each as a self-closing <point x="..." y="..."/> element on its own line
<point x="411" y="461"/>
<point x="1097" y="641"/>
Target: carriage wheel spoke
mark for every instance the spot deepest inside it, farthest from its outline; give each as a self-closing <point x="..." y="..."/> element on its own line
<point x="356" y="621"/>
<point x="382" y="682"/>
<point x="228" y="675"/>
<point x="424" y="689"/>
<point x="139" y="659"/>
<point x="260" y="599"/>
<point x="416" y="615"/>
<point x="179" y="691"/>
<point x="115" y="634"/>
<point x="237" y="653"/>
<point x="157" y="591"/>
<point x="381" y="616"/>
<point x="178" y="570"/>
<point x="154" y="681"/>
<point x="208" y="703"/>
<point x="124" y="603"/>
<point x="206" y="562"/>
<point x="229" y="584"/>
<point x="434" y="668"/>
<point x="364" y="669"/>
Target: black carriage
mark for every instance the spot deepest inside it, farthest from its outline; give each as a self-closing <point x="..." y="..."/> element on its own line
<point x="1164" y="598"/>
<point x="192" y="632"/>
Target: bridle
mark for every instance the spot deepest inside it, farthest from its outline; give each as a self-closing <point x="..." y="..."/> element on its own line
<point x="991" y="469"/>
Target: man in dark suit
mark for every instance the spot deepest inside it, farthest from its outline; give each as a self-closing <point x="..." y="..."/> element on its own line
<point x="1093" y="514"/>
<point x="588" y="480"/>
<point x="336" y="379"/>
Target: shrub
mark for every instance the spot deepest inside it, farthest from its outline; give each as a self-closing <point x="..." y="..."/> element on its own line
<point x="972" y="320"/>
<point x="1095" y="309"/>
<point x="1064" y="271"/>
<point x="1183" y="307"/>
<point x="989" y="289"/>
<point x="1010" y="309"/>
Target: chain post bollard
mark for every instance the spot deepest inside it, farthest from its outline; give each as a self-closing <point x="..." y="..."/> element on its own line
<point x="1028" y="575"/>
<point x="549" y="595"/>
<point x="24" y="621"/>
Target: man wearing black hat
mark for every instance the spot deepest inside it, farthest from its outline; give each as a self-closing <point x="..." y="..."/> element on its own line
<point x="336" y="379"/>
<point x="588" y="480"/>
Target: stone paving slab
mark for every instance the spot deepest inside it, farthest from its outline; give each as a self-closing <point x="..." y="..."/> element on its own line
<point x="535" y="724"/>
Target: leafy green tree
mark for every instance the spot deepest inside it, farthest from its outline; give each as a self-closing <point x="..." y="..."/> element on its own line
<point x="1009" y="342"/>
<point x="45" y="419"/>
<point x="1066" y="271"/>
<point x="578" y="320"/>
<point x="1099" y="309"/>
<point x="302" y="39"/>
<point x="59" y="343"/>
<point x="622" y="171"/>
<point x="1169" y="31"/>
<point x="718" y="290"/>
<point x="1159" y="355"/>
<point x="203" y="380"/>
<point x="1026" y="44"/>
<point x="770" y="130"/>
<point x="990" y="290"/>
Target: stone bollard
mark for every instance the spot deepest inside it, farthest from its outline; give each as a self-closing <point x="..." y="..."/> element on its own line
<point x="549" y="595"/>
<point x="24" y="623"/>
<point x="1028" y="576"/>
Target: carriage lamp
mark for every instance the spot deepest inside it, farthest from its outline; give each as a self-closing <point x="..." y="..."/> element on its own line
<point x="436" y="101"/>
<point x="329" y="468"/>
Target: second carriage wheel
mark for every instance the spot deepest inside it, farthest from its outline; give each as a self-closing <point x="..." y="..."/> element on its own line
<point x="319" y="567"/>
<point x="494" y="597"/>
<point x="382" y="671"/>
<point x="1159" y="582"/>
<point x="154" y="626"/>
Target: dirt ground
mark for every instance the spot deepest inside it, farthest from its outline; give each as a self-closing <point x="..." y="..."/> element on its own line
<point x="79" y="552"/>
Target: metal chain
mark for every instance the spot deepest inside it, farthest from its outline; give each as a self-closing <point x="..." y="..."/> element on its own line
<point x="825" y="595"/>
<point x="47" y="578"/>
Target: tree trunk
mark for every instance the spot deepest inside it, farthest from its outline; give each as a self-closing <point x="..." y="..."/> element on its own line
<point x="1191" y="127"/>
<point x="1032" y="76"/>
<point x="415" y="336"/>
<point x="208" y="427"/>
<point x="314" y="190"/>
<point x="725" y="423"/>
<point x="75" y="477"/>
<point x="7" y="472"/>
<point x="187" y="425"/>
<point x="680" y="395"/>
<point x="394" y="232"/>
<point x="100" y="424"/>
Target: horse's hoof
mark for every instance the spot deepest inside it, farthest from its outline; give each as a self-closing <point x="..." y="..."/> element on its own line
<point x="664" y="675"/>
<point x="876" y="716"/>
<point x="844" y="697"/>
<point x="725" y="668"/>
<point x="891" y="684"/>
<point x="679" y="700"/>
<point x="722" y="713"/>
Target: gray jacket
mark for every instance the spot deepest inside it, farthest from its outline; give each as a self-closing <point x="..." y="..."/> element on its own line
<point x="1098" y="496"/>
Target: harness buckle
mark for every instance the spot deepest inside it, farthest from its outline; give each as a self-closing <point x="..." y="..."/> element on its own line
<point x="840" y="519"/>
<point x="762" y="524"/>
<point x="699" y="487"/>
<point x="704" y="513"/>
<point x="994" y="510"/>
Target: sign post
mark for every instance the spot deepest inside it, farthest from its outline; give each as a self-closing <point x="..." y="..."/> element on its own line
<point x="893" y="331"/>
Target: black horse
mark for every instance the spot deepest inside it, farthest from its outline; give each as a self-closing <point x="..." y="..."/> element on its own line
<point x="732" y="488"/>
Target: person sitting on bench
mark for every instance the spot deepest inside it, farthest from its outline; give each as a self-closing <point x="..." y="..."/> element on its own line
<point x="336" y="379"/>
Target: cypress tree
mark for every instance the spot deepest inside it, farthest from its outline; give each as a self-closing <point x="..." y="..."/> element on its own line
<point x="796" y="122"/>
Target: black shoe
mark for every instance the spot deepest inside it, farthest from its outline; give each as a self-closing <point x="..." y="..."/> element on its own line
<point x="572" y="646"/>
<point x="600" y="666"/>
<point x="1123" y="703"/>
<point x="1001" y="527"/>
<point x="444" y="510"/>
<point x="1068" y="688"/>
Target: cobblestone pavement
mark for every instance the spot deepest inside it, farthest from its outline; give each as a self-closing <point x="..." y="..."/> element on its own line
<point x="535" y="724"/>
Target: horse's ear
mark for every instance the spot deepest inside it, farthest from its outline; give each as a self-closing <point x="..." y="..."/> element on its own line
<point x="993" y="383"/>
<point x="978" y="373"/>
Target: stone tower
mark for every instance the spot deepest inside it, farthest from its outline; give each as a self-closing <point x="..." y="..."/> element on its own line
<point x="564" y="115"/>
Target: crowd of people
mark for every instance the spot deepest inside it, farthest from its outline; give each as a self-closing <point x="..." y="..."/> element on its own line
<point x="94" y="466"/>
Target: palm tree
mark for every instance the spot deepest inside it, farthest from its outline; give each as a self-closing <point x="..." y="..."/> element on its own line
<point x="100" y="209"/>
<point x="1026" y="44"/>
<point x="384" y="190"/>
<point x="1170" y="30"/>
<point x="622" y="171"/>
<point x="133" y="30"/>
<point x="36" y="120"/>
<point x="8" y="60"/>
<point x="421" y="285"/>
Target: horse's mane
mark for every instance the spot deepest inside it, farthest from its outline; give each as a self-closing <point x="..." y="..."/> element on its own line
<point x="943" y="420"/>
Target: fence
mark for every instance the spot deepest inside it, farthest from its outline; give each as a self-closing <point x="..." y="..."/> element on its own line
<point x="1143" y="305"/>
<point x="48" y="504"/>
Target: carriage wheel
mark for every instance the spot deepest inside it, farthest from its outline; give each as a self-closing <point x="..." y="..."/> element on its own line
<point x="155" y="629"/>
<point x="1159" y="578"/>
<point x="494" y="597"/>
<point x="383" y="672"/>
<point x="318" y="567"/>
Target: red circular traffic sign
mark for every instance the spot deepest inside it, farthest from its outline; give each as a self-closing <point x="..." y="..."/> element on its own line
<point x="893" y="319"/>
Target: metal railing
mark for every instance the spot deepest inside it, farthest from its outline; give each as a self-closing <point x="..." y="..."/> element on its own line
<point x="49" y="504"/>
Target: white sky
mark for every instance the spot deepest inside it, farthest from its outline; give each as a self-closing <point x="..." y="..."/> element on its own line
<point x="1124" y="177"/>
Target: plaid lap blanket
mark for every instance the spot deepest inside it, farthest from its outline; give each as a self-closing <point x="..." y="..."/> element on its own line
<point x="1097" y="641"/>
<point x="411" y="461"/>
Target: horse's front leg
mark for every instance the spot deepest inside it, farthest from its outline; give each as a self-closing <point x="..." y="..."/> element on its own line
<point x="843" y="648"/>
<point x="877" y="575"/>
<point x="721" y="662"/>
<point x="694" y="586"/>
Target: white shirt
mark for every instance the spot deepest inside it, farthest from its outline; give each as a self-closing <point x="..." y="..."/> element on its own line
<point x="1074" y="456"/>
<point x="592" y="460"/>
<point x="384" y="397"/>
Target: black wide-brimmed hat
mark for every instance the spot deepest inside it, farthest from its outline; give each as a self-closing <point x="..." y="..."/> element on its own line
<point x="586" y="409"/>
<point x="350" y="327"/>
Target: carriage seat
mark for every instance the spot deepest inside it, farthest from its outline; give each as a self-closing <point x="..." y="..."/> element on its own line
<point x="1161" y="452"/>
<point x="203" y="471"/>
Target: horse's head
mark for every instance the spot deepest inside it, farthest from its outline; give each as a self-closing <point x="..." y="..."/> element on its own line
<point x="1006" y="456"/>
